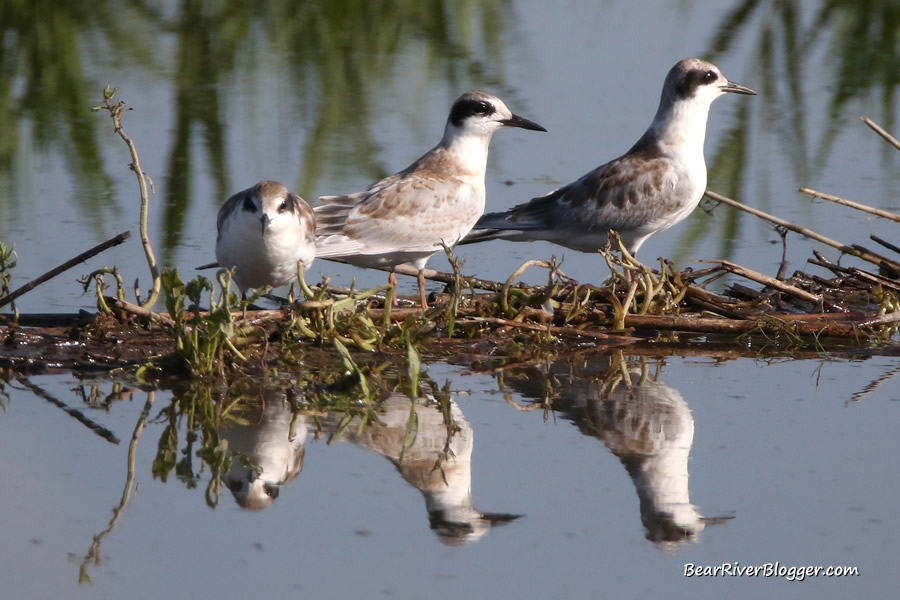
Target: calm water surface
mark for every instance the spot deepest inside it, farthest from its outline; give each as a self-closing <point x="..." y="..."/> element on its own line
<point x="593" y="475"/>
<point x="588" y="477"/>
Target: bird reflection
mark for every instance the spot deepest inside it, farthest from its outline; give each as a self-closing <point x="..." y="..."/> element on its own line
<point x="643" y="421"/>
<point x="268" y="449"/>
<point x="438" y="463"/>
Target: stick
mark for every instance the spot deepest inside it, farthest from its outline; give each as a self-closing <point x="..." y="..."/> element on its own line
<point x="867" y="256"/>
<point x="877" y="129"/>
<point x="885" y="243"/>
<point x="433" y="275"/>
<point x="768" y="281"/>
<point x="65" y="267"/>
<point x="851" y="204"/>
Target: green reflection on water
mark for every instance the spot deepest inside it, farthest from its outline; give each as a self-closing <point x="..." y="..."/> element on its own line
<point x="860" y="43"/>
<point x="339" y="56"/>
<point x="336" y="55"/>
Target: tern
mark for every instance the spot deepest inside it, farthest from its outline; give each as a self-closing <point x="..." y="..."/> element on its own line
<point x="404" y="218"/>
<point x="650" y="188"/>
<point x="264" y="231"/>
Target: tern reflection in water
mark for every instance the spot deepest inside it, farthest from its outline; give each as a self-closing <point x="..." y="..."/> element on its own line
<point x="644" y="422"/>
<point x="438" y="463"/>
<point x="268" y="450"/>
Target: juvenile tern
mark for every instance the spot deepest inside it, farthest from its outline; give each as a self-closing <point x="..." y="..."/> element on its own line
<point x="264" y="231"/>
<point x="650" y="188"/>
<point x="404" y="217"/>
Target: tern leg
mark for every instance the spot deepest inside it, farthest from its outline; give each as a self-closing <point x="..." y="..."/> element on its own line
<point x="392" y="281"/>
<point x="420" y="278"/>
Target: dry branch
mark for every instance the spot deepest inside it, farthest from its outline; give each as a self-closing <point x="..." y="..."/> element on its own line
<point x="850" y="203"/>
<point x="864" y="255"/>
<point x="877" y="129"/>
<point x="768" y="281"/>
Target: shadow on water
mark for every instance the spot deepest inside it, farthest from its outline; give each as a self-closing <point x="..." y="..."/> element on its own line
<point x="643" y="421"/>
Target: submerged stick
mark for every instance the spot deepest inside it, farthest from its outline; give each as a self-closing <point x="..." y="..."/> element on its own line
<point x="871" y="257"/>
<point x="877" y="129"/>
<point x="850" y="203"/>
<point x="65" y="267"/>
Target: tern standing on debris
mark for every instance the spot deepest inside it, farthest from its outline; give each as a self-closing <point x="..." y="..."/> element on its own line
<point x="264" y="231"/>
<point x="653" y="186"/>
<point x="405" y="217"/>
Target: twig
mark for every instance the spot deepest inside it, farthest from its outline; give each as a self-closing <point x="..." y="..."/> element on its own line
<point x="100" y="430"/>
<point x="867" y="256"/>
<point x="885" y="243"/>
<point x="877" y="129"/>
<point x="115" y="113"/>
<point x="851" y="204"/>
<point x="433" y="275"/>
<point x="65" y="266"/>
<point x="768" y="281"/>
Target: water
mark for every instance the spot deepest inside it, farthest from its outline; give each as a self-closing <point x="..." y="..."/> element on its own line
<point x="641" y="466"/>
<point x="329" y="96"/>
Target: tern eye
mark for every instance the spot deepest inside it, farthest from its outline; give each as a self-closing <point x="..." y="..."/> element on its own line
<point x="271" y="490"/>
<point x="482" y="108"/>
<point x="710" y="76"/>
<point x="283" y="206"/>
<point x="248" y="205"/>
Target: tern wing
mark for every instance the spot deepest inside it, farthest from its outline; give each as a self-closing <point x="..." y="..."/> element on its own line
<point x="229" y="207"/>
<point x="401" y="213"/>
<point x="620" y="195"/>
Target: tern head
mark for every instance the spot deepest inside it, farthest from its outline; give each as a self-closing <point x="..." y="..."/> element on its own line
<point x="697" y="81"/>
<point x="690" y="88"/>
<point x="479" y="114"/>
<point x="272" y="204"/>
